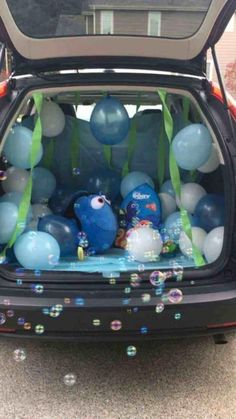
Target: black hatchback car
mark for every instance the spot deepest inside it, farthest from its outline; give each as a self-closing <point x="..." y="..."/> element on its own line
<point x="117" y="206"/>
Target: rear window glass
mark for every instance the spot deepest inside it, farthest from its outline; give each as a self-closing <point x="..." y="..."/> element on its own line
<point x="156" y="18"/>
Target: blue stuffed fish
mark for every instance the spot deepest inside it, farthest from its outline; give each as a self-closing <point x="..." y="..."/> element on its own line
<point x="142" y="206"/>
<point x="98" y="222"/>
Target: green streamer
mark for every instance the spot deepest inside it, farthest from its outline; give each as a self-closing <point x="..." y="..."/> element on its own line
<point x="26" y="197"/>
<point x="161" y="154"/>
<point x="75" y="140"/>
<point x="175" y="178"/>
<point x="107" y="151"/>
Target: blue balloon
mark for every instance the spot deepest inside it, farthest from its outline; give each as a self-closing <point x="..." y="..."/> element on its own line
<point x="17" y="148"/>
<point x="109" y="121"/>
<point x="62" y="198"/>
<point x="44" y="184"/>
<point x="210" y="211"/>
<point x="173" y="225"/>
<point x="104" y="181"/>
<point x="8" y="220"/>
<point x="64" y="230"/>
<point x="15" y="198"/>
<point x="37" y="250"/>
<point x="192" y="146"/>
<point x="167" y="187"/>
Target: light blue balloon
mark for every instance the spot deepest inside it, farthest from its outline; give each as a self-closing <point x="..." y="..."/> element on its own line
<point x="167" y="187"/>
<point x="173" y="225"/>
<point x="44" y="184"/>
<point x="8" y="220"/>
<point x="17" y="148"/>
<point x="109" y="121"/>
<point x="37" y="250"/>
<point x="192" y="146"/>
<point x="133" y="180"/>
<point x="15" y="198"/>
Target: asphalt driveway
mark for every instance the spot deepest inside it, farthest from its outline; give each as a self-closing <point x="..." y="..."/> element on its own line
<point x="178" y="379"/>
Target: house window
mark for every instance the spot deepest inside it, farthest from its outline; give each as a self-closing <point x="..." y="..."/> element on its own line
<point x="154" y="24"/>
<point x="230" y="26"/>
<point x="107" y="22"/>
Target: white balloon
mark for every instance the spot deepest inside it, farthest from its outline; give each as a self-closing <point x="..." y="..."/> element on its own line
<point x="168" y="205"/>
<point x="198" y="236"/>
<point x="213" y="244"/>
<point x="52" y="118"/>
<point x="191" y="193"/>
<point x="133" y="180"/>
<point x="40" y="210"/>
<point x="16" y="180"/>
<point x="212" y="163"/>
<point x="144" y="244"/>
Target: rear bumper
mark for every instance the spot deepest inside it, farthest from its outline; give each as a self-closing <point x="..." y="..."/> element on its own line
<point x="88" y="317"/>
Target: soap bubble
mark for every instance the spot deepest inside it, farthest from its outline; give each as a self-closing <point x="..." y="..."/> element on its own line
<point x="79" y="301"/>
<point x="3" y="260"/>
<point x="175" y="296"/>
<point x="27" y="326"/>
<point x="96" y="322"/>
<point x="3" y="175"/>
<point x="67" y="300"/>
<point x="76" y="171"/>
<point x="39" y="329"/>
<point x="20" y="271"/>
<point x="145" y="298"/>
<point x="37" y="272"/>
<point x="177" y="316"/>
<point x="135" y="280"/>
<point x="159" y="308"/>
<point x="144" y="330"/>
<point x="131" y="351"/>
<point x="112" y="281"/>
<point x="19" y="355"/>
<point x="157" y="278"/>
<point x="70" y="379"/>
<point x="19" y="282"/>
<point x="53" y="260"/>
<point x="56" y="310"/>
<point x="2" y="318"/>
<point x="10" y="313"/>
<point x="21" y="321"/>
<point x="37" y="288"/>
<point x="116" y="325"/>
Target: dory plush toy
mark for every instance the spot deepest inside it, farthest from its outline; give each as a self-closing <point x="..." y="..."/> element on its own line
<point x="142" y="206"/>
<point x="98" y="222"/>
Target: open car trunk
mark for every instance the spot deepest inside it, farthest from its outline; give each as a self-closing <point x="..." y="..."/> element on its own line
<point x="102" y="201"/>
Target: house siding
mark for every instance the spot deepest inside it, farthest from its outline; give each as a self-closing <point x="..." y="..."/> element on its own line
<point x="226" y="52"/>
<point x="131" y="23"/>
<point x="136" y="23"/>
<point x="174" y="23"/>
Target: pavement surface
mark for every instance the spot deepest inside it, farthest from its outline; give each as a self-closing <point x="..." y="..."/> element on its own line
<point x="173" y="379"/>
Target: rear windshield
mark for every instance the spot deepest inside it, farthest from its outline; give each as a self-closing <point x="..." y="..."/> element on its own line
<point x="156" y="18"/>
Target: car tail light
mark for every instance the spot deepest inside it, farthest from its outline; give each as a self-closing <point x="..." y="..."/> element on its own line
<point x="3" y="88"/>
<point x="216" y="92"/>
<point x="221" y="325"/>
